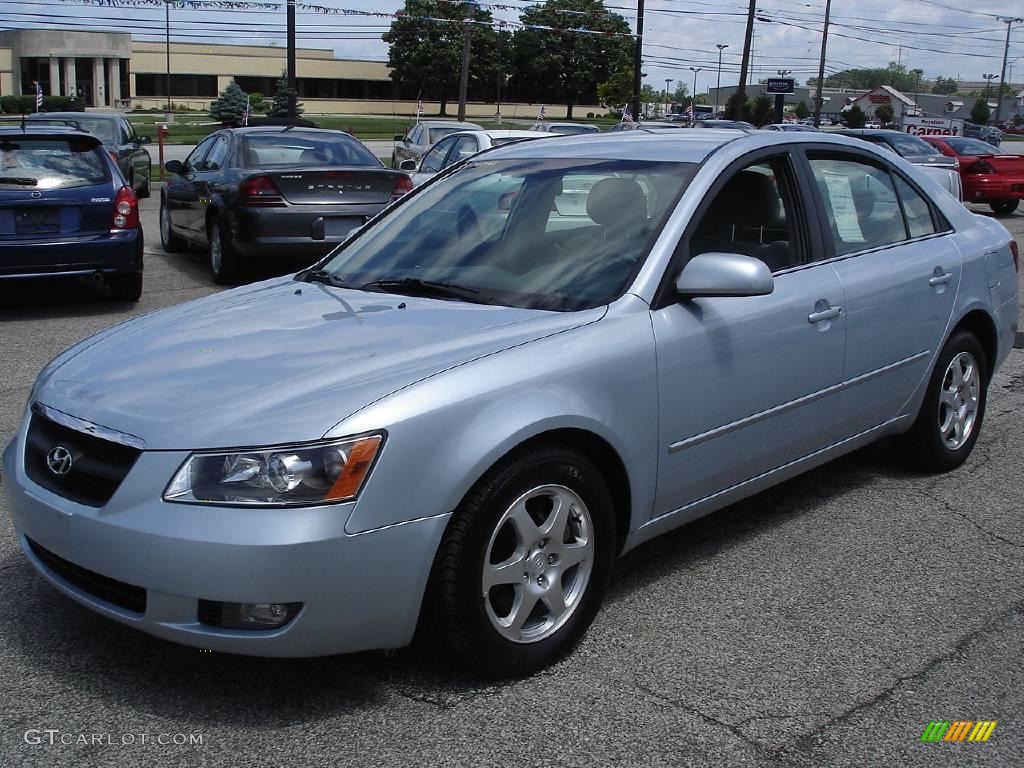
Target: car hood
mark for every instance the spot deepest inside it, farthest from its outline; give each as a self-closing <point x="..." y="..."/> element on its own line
<point x="275" y="362"/>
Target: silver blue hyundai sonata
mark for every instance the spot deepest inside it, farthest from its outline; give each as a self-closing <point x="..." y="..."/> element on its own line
<point x="542" y="358"/>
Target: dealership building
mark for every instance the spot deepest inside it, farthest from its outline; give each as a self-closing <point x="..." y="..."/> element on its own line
<point x="110" y="69"/>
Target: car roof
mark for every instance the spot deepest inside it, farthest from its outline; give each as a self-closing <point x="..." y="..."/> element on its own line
<point x="570" y="122"/>
<point x="45" y="131"/>
<point x="873" y="132"/>
<point x="498" y="133"/>
<point x="447" y="124"/>
<point x="245" y="130"/>
<point x="662" y="146"/>
<point x="74" y="115"/>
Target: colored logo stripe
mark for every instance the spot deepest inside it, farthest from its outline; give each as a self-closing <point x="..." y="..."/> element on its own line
<point x="958" y="730"/>
<point x="935" y="730"/>
<point x="982" y="730"/>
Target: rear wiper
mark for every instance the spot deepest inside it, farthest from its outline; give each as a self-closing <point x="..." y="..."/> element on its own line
<point x="420" y="287"/>
<point x="323" y="276"/>
<point x="23" y="181"/>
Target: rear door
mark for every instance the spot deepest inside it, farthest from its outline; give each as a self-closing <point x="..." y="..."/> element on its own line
<point x="205" y="179"/>
<point x="900" y="272"/>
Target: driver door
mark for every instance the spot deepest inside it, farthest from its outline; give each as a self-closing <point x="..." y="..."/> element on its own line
<point x="748" y="384"/>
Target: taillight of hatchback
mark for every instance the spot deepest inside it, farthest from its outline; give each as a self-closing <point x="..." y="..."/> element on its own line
<point x="126" y="210"/>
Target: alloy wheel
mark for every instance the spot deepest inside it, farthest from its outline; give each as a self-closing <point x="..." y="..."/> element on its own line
<point x="165" y="225"/>
<point x="216" y="255"/>
<point x="538" y="563"/>
<point x="958" y="400"/>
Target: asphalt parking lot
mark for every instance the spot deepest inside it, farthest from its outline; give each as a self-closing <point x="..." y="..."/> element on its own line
<point x="822" y="623"/>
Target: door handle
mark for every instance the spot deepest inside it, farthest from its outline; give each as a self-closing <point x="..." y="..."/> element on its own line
<point x="831" y="313"/>
<point x="943" y="278"/>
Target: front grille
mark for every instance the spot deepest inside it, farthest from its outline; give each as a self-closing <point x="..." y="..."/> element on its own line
<point x="98" y="466"/>
<point x="127" y="596"/>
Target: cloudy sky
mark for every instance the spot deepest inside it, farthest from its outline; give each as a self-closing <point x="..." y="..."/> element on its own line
<point x="951" y="38"/>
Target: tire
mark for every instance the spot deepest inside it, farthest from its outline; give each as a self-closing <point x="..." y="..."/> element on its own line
<point x="125" y="287"/>
<point x="394" y="160"/>
<point x="171" y="242"/>
<point x="931" y="445"/>
<point x="223" y="259"/>
<point x="1004" y="207"/>
<point x="503" y="520"/>
<point x="145" y="190"/>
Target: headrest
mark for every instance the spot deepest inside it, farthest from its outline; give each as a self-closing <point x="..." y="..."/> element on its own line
<point x="612" y="200"/>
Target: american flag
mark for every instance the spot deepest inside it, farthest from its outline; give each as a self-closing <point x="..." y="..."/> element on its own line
<point x="39" y="95"/>
<point x="419" y="109"/>
<point x="627" y="116"/>
<point x="540" y="115"/>
<point x="689" y="112"/>
<point x="248" y="111"/>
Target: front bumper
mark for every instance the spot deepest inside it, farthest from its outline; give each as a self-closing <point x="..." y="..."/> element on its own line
<point x="359" y="592"/>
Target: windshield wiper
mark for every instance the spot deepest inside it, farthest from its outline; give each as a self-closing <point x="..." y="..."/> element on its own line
<point x="23" y="181"/>
<point x="419" y="287"/>
<point x="323" y="276"/>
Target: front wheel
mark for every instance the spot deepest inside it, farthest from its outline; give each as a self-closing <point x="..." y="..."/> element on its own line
<point x="1004" y="207"/>
<point x="950" y="418"/>
<point x="524" y="564"/>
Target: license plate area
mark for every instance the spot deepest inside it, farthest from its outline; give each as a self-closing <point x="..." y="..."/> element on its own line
<point x="339" y="226"/>
<point x="36" y="221"/>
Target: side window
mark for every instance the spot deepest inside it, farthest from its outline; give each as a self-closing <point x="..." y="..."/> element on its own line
<point x="218" y="154"/>
<point x="195" y="160"/>
<point x="129" y="132"/>
<point x="754" y="215"/>
<point x="860" y="204"/>
<point x="465" y="146"/>
<point x="415" y="134"/>
<point x="434" y="159"/>
<point x="916" y="210"/>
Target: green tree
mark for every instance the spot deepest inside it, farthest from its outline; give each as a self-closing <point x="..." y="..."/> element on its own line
<point x="279" y="105"/>
<point x="230" y="105"/>
<point x="763" y="111"/>
<point x="855" y="117"/>
<point x="617" y="89"/>
<point x="894" y="75"/>
<point x="884" y="113"/>
<point x="945" y="85"/>
<point x="801" y="111"/>
<point x="736" y="111"/>
<point x="681" y="94"/>
<point x="426" y="42"/>
<point x="552" y="65"/>
<point x="650" y="96"/>
<point x="980" y="112"/>
<point x="257" y="102"/>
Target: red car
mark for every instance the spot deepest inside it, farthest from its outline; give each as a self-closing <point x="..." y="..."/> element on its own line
<point x="987" y="177"/>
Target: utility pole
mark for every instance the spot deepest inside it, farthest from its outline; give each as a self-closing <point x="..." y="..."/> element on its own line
<point x="167" y="32"/>
<point x="668" y="97"/>
<point x="741" y="88"/>
<point x="693" y="94"/>
<point x="638" y="58"/>
<point x="821" y="67"/>
<point x="464" y="77"/>
<point x="718" y="85"/>
<point x="293" y="87"/>
<point x="1002" y="75"/>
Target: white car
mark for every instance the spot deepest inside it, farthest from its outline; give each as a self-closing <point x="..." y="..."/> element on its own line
<point x="459" y="146"/>
<point x="568" y="129"/>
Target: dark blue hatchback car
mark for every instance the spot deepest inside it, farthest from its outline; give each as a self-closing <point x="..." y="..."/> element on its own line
<point x="65" y="209"/>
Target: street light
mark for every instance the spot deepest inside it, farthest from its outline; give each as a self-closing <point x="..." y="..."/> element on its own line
<point x="988" y="77"/>
<point x="917" y="89"/>
<point x="693" y="94"/>
<point x="668" y="86"/>
<point x="718" y="85"/>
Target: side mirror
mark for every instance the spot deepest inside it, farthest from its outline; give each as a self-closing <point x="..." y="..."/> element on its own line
<point x="144" y="139"/>
<point x="407" y="165"/>
<point x="399" y="137"/>
<point x="174" y="166"/>
<point x="724" y="274"/>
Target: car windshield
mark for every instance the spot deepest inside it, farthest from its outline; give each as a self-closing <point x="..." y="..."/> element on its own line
<point x="908" y="146"/>
<point x="273" y="150"/>
<point x="547" y="234"/>
<point x="436" y="134"/>
<point x="103" y="129"/>
<point x="51" y="163"/>
<point x="969" y="146"/>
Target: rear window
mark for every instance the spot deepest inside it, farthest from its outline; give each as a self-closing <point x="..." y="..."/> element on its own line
<point x="436" y="134"/>
<point x="908" y="146"/>
<point x="103" y="129"/>
<point x="280" y="150"/>
<point x="51" y="163"/>
<point x="970" y="146"/>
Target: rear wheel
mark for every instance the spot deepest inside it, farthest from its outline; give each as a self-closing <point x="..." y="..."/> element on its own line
<point x="1004" y="207"/>
<point x="171" y="242"/>
<point x="523" y="566"/>
<point x="223" y="259"/>
<point x="125" y="287"/>
<point x="950" y="418"/>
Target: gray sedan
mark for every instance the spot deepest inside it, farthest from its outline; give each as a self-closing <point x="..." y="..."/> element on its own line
<point x="458" y="427"/>
<point x="423" y="135"/>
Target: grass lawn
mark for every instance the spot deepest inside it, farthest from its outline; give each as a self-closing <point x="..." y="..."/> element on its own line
<point x="188" y="128"/>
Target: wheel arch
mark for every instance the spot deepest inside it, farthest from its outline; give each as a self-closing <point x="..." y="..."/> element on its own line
<point x="980" y="324"/>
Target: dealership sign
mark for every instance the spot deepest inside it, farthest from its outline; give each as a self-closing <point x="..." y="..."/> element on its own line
<point x="933" y="126"/>
<point x="879" y="98"/>
<point x="779" y="85"/>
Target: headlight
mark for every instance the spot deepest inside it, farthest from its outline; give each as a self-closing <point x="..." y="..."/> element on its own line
<point x="313" y="473"/>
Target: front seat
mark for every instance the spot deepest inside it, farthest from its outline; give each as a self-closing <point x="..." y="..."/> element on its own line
<point x="619" y="206"/>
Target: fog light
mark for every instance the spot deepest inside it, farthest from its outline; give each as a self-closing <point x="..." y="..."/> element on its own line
<point x="246" y="615"/>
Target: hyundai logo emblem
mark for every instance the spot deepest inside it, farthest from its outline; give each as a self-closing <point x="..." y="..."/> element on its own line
<point x="59" y="460"/>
